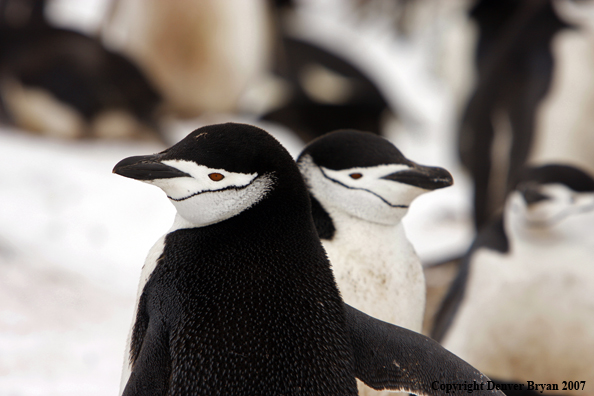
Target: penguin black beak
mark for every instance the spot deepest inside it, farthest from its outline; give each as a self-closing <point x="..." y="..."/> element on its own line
<point x="146" y="167"/>
<point x="531" y="194"/>
<point x="425" y="177"/>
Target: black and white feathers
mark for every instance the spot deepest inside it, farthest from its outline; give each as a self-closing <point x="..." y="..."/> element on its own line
<point x="242" y="301"/>
<point x="361" y="186"/>
<point x="521" y="307"/>
<point x="63" y="83"/>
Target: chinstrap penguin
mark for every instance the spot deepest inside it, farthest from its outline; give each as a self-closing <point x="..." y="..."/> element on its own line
<point x="361" y="186"/>
<point x="67" y="84"/>
<point x="238" y="298"/>
<point x="522" y="306"/>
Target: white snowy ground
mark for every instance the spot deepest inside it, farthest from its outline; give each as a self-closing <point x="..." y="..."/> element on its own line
<point x="73" y="237"/>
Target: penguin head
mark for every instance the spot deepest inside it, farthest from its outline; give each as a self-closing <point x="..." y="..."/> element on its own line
<point x="365" y="176"/>
<point x="216" y="172"/>
<point x="545" y="197"/>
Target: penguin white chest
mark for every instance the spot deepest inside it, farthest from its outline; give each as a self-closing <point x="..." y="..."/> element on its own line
<point x="528" y="315"/>
<point x="378" y="272"/>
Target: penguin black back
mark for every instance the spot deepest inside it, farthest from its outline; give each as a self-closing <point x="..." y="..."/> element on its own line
<point x="247" y="305"/>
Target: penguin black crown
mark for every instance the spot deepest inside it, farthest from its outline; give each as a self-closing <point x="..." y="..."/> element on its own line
<point x="238" y="298"/>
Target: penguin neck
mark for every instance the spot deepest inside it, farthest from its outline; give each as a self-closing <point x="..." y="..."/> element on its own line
<point x="283" y="211"/>
<point x="180" y="223"/>
<point x="346" y="224"/>
<point x="327" y="216"/>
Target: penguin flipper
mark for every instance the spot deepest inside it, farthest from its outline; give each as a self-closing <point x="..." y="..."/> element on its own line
<point x="152" y="368"/>
<point x="393" y="358"/>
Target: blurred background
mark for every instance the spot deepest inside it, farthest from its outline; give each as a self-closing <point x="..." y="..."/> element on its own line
<point x="476" y="86"/>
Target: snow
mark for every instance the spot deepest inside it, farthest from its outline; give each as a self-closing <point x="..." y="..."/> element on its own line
<point x="73" y="237"/>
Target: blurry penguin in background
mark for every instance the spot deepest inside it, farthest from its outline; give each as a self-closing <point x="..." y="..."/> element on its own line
<point x="202" y="55"/>
<point x="515" y="63"/>
<point x="63" y="83"/>
<point x="522" y="307"/>
<point x="361" y="187"/>
<point x="326" y="91"/>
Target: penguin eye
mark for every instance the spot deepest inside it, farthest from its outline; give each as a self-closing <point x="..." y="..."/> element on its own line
<point x="216" y="176"/>
<point x="356" y="175"/>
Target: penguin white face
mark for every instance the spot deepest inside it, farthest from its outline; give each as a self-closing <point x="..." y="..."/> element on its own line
<point x="208" y="195"/>
<point x="552" y="201"/>
<point x="365" y="176"/>
<point x="369" y="193"/>
<point x="376" y="181"/>
<point x="194" y="176"/>
<point x="549" y="204"/>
